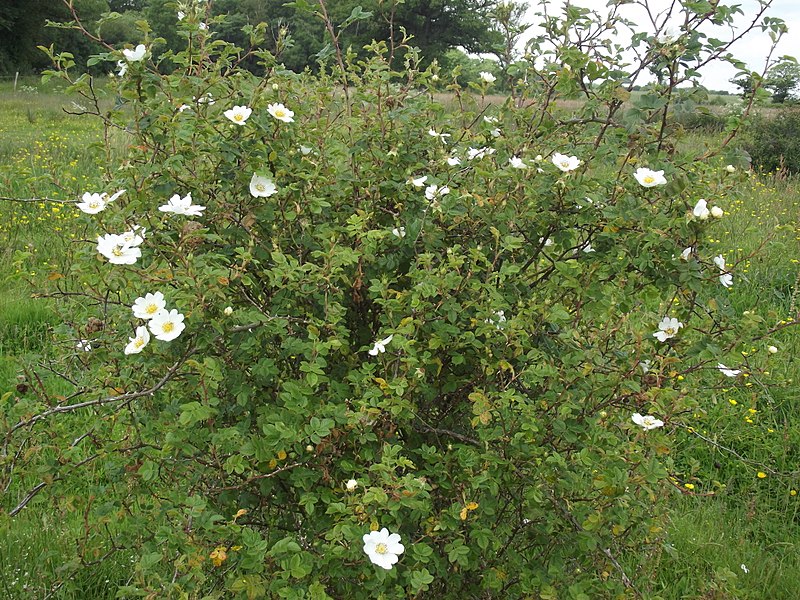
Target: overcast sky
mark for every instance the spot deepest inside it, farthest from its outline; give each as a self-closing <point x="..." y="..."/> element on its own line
<point x="751" y="50"/>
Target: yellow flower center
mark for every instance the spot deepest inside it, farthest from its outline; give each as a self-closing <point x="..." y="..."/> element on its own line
<point x="649" y="179"/>
<point x="138" y="343"/>
<point x="117" y="251"/>
<point x="381" y="549"/>
<point x="669" y="331"/>
<point x="565" y="163"/>
<point x="168" y="326"/>
<point x="238" y="117"/>
<point x="280" y="113"/>
<point x="151" y="309"/>
<point x="260" y="187"/>
<point x="648" y="421"/>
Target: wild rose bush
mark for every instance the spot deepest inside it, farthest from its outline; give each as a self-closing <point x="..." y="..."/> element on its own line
<point x="357" y="343"/>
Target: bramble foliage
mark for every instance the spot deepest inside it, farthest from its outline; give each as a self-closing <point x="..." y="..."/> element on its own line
<point x="773" y="141"/>
<point x="456" y="359"/>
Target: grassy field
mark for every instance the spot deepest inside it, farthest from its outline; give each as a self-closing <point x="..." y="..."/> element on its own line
<point x="735" y="531"/>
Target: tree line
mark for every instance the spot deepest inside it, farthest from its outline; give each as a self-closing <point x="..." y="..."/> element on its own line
<point x="436" y="27"/>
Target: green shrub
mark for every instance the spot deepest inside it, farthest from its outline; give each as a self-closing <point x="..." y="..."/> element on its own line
<point x="773" y="142"/>
<point x="378" y="336"/>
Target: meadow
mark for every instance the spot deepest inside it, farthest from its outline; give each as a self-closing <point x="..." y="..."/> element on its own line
<point x="734" y="531"/>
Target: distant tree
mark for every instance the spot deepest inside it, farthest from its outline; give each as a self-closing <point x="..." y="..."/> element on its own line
<point x="124" y="5"/>
<point x="782" y="80"/>
<point x="745" y="83"/>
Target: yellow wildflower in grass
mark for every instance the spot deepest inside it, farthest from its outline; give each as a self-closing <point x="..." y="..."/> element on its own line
<point x="761" y="475"/>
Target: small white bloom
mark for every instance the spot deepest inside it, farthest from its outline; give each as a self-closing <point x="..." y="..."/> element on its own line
<point x="496" y="132"/>
<point x="725" y="278"/>
<point x="442" y="136"/>
<point x="687" y="253"/>
<point x="203" y="27"/>
<point x="351" y="485"/>
<point x="487" y="77"/>
<point x="772" y="349"/>
<point x="399" y="232"/>
<point x="453" y="161"/>
<point x="728" y="372"/>
<point x="565" y="163"/>
<point x="166" y="326"/>
<point x="419" y="181"/>
<point x="649" y="178"/>
<point x="587" y="247"/>
<point x="646" y="365"/>
<point x="700" y="210"/>
<point x="517" y="162"/>
<point x="117" y="250"/>
<point x="538" y="158"/>
<point x="181" y="15"/>
<point x="262" y="187"/>
<point x="135" y="55"/>
<point x="475" y="153"/>
<point x="719" y="260"/>
<point x="208" y="99"/>
<point x="490" y="120"/>
<point x="305" y="150"/>
<point x="84" y="345"/>
<point x="134" y="236"/>
<point x="647" y="422"/>
<point x="139" y="341"/>
<point x="184" y="107"/>
<point x="432" y="192"/>
<point x="383" y="548"/>
<point x="280" y="112"/>
<point x="148" y="306"/>
<point x="182" y="206"/>
<point x="123" y="68"/>
<point x="731" y="169"/>
<point x="547" y="242"/>
<point x="228" y="311"/>
<point x="380" y="346"/>
<point x="743" y="567"/>
<point x="498" y="319"/>
<point x="238" y="114"/>
<point x="667" y="328"/>
<point x="92" y="203"/>
<point x="716" y="212"/>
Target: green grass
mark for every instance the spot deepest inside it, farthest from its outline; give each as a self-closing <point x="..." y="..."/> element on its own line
<point x="731" y="517"/>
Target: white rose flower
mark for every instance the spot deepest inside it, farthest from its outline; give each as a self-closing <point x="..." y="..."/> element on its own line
<point x="149" y="305"/>
<point x="453" y="161"/>
<point x="772" y="349"/>
<point x="700" y="210"/>
<point x="399" y="232"/>
<point x="383" y="548"/>
<point x="716" y="212"/>
<point x="238" y="114"/>
<point x="166" y="326"/>
<point x="280" y="112"/>
<point x="730" y="169"/>
<point x="134" y="55"/>
<point x="117" y="250"/>
<point x="262" y="187"/>
<point x="667" y="328"/>
<point x="419" y="181"/>
<point x="139" y="341"/>
<point x="432" y="192"/>
<point x="228" y="311"/>
<point x="182" y="206"/>
<point x="649" y="178"/>
<point x="441" y="136"/>
<point x="487" y="77"/>
<point x="647" y="422"/>
<point x="728" y="372"/>
<point x="565" y="163"/>
<point x="380" y="346"/>
<point x="92" y="203"/>
<point x="517" y="162"/>
<point x="351" y="485"/>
